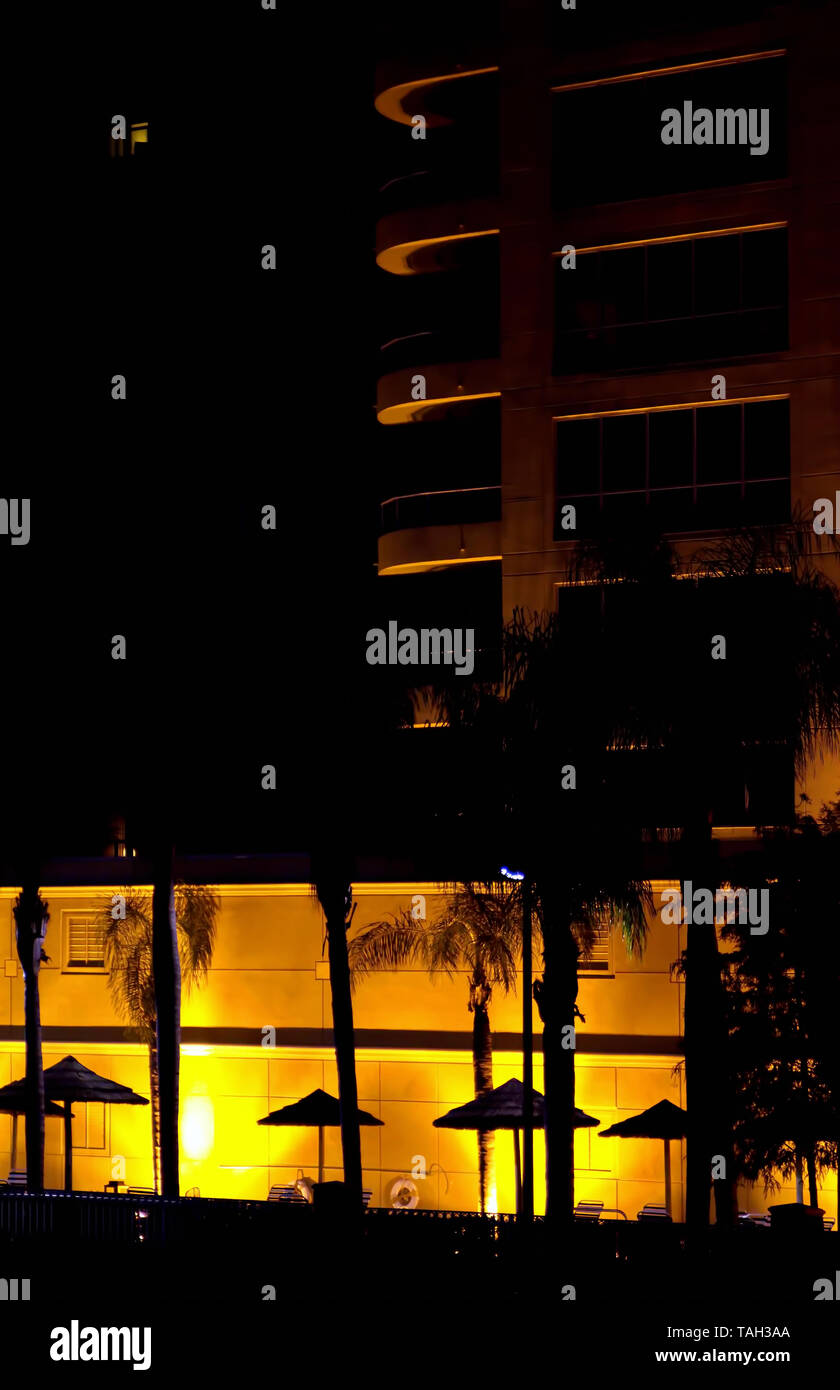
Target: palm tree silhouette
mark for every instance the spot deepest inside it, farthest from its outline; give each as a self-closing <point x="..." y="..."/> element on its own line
<point x="479" y="931"/>
<point x="129" y="959"/>
<point x="551" y="707"/>
<point x="31" y="917"/>
<point x="768" y="592"/>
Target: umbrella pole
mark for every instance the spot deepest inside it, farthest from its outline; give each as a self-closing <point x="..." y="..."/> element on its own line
<point x="668" y="1176"/>
<point x="68" y="1148"/>
<point x="14" y="1143"/>
<point x="518" y="1171"/>
<point x="320" y="1153"/>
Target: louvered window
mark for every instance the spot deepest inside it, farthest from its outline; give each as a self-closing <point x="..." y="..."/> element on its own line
<point x="597" y="959"/>
<point x="85" y="938"/>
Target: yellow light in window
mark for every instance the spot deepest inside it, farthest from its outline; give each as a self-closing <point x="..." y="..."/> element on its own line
<point x="139" y="134"/>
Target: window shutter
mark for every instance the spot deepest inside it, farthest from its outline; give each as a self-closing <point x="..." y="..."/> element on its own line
<point x="85" y="942"/>
<point x="598" y="957"/>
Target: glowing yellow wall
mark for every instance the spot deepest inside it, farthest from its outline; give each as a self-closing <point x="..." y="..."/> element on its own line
<point x="264" y="975"/>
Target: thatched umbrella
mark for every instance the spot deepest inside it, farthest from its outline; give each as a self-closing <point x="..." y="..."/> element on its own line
<point x="69" y="1081"/>
<point x="16" y="1105"/>
<point x="503" y="1108"/>
<point x="318" y="1110"/>
<point x="664" y="1121"/>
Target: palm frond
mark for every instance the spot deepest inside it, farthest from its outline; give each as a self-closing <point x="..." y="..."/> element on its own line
<point x="196" y="912"/>
<point x="385" y="945"/>
<point x="128" y="949"/>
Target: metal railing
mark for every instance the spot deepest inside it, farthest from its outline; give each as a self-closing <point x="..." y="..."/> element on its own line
<point x="451" y="507"/>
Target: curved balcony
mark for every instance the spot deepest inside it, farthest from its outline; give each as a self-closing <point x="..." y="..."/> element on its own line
<point x="448" y="387"/>
<point x="440" y="98"/>
<point x="447" y="41"/>
<point x="429" y="531"/>
<point x="435" y="345"/>
<point x="449" y="507"/>
<point x="448" y="182"/>
<point x="427" y="240"/>
<point x="435" y="329"/>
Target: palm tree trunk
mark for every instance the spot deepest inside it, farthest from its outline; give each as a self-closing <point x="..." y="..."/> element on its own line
<point x="708" y="1086"/>
<point x="810" y="1163"/>
<point x="31" y="917"/>
<point x="335" y="897"/>
<point x="556" y="997"/>
<point x="154" y="1091"/>
<point x="166" y="966"/>
<point x="483" y="1078"/>
<point x="806" y="1147"/>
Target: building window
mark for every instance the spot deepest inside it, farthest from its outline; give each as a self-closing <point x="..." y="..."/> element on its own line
<point x="690" y="468"/>
<point x="136" y="141"/>
<point x="89" y="1129"/>
<point x="84" y="942"/>
<point x="139" y="135"/>
<point x="607" y="132"/>
<point x="598" y="958"/>
<point x="673" y="301"/>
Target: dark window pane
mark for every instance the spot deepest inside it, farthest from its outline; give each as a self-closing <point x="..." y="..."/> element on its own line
<point x="718" y="443"/>
<point x="587" y="517"/>
<point x="622" y="285"/>
<point x="579" y="294"/>
<point x="767" y="439"/>
<point x="767" y="504"/>
<point x="718" y="506"/>
<point x="671" y="448"/>
<point x="669" y="280"/>
<point x="765" y="268"/>
<point x="624" y="452"/>
<point x="624" y="510"/>
<point x="672" y="511"/>
<point x="577" y="457"/>
<point x="592" y="165"/>
<point x="715" y="274"/>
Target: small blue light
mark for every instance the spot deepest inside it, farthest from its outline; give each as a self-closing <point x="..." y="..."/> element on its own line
<point x="510" y="873"/>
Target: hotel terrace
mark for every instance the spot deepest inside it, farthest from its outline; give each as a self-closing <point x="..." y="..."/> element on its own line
<point x="257" y="1036"/>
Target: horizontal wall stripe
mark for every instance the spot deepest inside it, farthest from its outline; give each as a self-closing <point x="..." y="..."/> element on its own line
<point x="422" y="1039"/>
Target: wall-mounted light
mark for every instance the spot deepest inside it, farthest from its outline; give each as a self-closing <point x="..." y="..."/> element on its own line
<point x="197" y="1127"/>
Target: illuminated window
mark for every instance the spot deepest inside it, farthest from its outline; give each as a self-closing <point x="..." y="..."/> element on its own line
<point x="84" y="942"/>
<point x="139" y="135"/>
<point x="686" y="469"/>
<point x="136" y="143"/>
<point x="673" y="301"/>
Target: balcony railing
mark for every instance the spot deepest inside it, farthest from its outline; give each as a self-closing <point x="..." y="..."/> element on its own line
<point x="439" y="345"/>
<point x="454" y="507"/>
<point x="422" y="188"/>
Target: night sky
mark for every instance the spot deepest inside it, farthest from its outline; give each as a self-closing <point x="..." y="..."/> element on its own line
<point x="244" y="388"/>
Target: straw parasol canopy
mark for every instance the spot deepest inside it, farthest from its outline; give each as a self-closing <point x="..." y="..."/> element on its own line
<point x="319" y="1110"/>
<point x="503" y="1108"/>
<point x="664" y="1121"/>
<point x="69" y="1081"/>
<point x="16" y="1105"/>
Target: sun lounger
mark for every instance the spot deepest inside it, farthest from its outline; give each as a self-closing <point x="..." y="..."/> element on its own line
<point x="588" y="1211"/>
<point x="650" y="1212"/>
